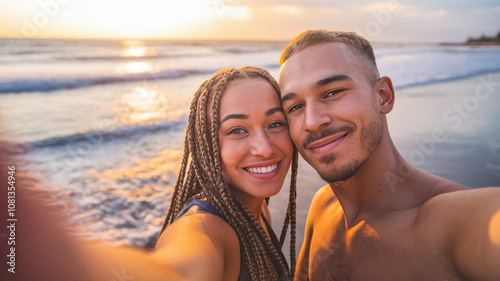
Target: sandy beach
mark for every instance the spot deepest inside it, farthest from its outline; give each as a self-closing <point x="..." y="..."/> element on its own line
<point x="463" y="113"/>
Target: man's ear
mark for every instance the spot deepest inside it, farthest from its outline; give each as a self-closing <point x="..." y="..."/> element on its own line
<point x="385" y="93"/>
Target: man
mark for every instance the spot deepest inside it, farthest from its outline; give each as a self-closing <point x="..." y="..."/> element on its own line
<point x="379" y="218"/>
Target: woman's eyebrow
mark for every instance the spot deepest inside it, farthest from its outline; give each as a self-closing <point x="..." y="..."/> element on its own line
<point x="244" y="116"/>
<point x="234" y="116"/>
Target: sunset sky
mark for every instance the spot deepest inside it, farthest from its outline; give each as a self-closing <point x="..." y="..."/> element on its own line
<point x="399" y="20"/>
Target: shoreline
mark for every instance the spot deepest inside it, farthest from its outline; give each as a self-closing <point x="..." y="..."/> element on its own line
<point x="445" y="80"/>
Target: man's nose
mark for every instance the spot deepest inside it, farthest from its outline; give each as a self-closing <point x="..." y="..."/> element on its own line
<point x="316" y="118"/>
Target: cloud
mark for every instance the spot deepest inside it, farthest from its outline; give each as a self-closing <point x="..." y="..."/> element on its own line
<point x="426" y="14"/>
<point x="233" y="12"/>
<point x="384" y="20"/>
<point x="393" y="7"/>
<point x="287" y="9"/>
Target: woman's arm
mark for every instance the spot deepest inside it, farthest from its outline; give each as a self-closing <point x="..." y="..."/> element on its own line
<point x="197" y="247"/>
<point x="44" y="250"/>
<point x="200" y="247"/>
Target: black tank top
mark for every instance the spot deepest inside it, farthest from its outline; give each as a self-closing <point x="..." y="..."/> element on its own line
<point x="209" y="208"/>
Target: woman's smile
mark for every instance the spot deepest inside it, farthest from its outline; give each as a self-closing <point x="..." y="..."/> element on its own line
<point x="256" y="149"/>
<point x="265" y="172"/>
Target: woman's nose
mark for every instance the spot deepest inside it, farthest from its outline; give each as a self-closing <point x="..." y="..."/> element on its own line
<point x="262" y="145"/>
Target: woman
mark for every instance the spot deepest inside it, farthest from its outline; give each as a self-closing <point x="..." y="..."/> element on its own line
<point x="237" y="153"/>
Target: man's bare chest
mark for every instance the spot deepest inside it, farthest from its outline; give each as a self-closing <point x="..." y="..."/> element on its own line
<point x="338" y="254"/>
<point x="363" y="253"/>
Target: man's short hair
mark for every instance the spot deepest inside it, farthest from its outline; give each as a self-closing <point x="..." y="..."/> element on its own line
<point x="357" y="44"/>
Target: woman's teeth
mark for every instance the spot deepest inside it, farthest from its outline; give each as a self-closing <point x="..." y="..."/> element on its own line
<point x="263" y="170"/>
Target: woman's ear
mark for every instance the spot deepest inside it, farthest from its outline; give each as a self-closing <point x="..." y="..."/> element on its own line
<point x="385" y="93"/>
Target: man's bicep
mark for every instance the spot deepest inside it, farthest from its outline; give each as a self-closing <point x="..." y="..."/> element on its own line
<point x="476" y="247"/>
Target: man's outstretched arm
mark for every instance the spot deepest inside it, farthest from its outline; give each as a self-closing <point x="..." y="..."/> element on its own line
<point x="475" y="232"/>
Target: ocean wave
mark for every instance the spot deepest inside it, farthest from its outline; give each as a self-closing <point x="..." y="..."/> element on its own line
<point x="240" y="50"/>
<point x="454" y="77"/>
<point x="128" y="58"/>
<point x="24" y="85"/>
<point x="432" y="50"/>
<point x="107" y="58"/>
<point x="272" y="66"/>
<point x="94" y="137"/>
<point x="430" y="68"/>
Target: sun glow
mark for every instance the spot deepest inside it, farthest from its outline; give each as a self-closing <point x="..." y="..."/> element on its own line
<point x="134" y="68"/>
<point x="143" y="19"/>
<point x="148" y="104"/>
<point x="135" y="52"/>
<point x="143" y="104"/>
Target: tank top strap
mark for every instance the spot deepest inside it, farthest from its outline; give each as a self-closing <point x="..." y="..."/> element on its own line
<point x="205" y="205"/>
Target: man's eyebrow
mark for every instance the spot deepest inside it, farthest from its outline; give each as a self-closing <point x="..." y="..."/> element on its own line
<point x="274" y="110"/>
<point x="331" y="79"/>
<point x="288" y="96"/>
<point x="320" y="83"/>
<point x="234" y="116"/>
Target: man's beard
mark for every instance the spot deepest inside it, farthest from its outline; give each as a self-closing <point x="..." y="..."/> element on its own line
<point x="370" y="137"/>
<point x="336" y="174"/>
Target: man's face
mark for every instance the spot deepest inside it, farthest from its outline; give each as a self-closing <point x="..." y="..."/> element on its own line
<point x="332" y="109"/>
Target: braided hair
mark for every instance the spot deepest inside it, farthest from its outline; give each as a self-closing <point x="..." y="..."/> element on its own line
<point x="200" y="176"/>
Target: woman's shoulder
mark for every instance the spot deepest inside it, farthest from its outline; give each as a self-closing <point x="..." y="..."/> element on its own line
<point x="203" y="240"/>
<point x="198" y="223"/>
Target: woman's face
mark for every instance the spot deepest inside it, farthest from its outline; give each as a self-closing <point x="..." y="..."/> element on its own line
<point x="256" y="149"/>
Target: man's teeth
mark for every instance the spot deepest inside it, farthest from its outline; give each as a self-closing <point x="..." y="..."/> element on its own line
<point x="263" y="170"/>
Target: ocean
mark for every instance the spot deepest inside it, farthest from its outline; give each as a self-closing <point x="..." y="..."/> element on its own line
<point x="100" y="123"/>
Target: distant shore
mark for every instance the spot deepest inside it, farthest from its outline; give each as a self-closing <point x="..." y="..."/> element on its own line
<point x="480" y="41"/>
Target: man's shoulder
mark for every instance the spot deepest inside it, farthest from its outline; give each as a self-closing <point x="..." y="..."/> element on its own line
<point x="443" y="186"/>
<point x="465" y="226"/>
<point x="441" y="195"/>
<point x="453" y="204"/>
<point x="462" y="196"/>
<point x="324" y="207"/>
<point x="322" y="200"/>
<point x="433" y="190"/>
<point x="324" y="197"/>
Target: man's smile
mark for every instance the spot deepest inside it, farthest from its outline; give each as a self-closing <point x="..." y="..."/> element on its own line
<point x="327" y="139"/>
<point x="326" y="144"/>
